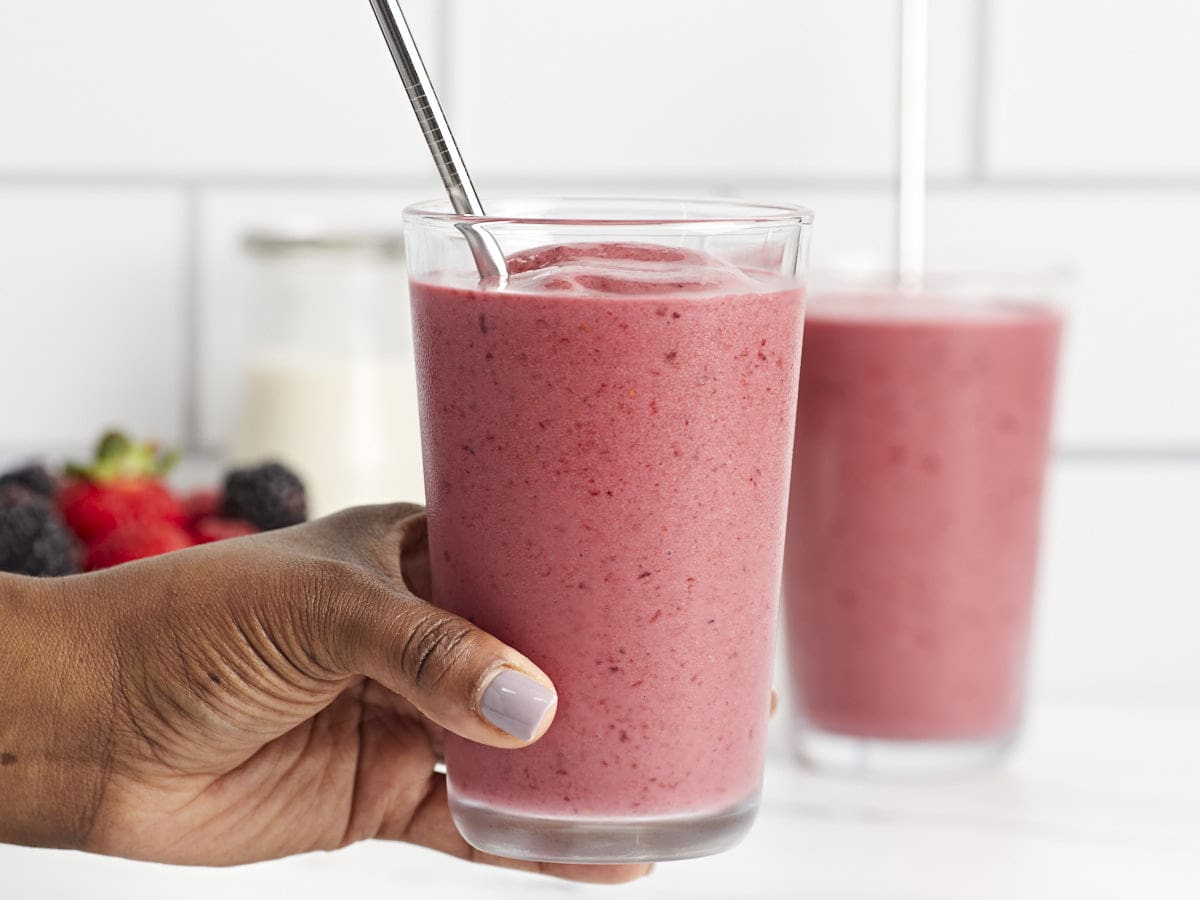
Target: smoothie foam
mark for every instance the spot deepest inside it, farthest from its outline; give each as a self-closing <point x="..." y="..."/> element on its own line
<point x="607" y="445"/>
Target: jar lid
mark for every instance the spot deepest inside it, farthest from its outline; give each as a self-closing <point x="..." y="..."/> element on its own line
<point x="286" y="240"/>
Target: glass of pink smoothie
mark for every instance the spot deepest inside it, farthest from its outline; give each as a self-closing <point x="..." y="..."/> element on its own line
<point x="921" y="442"/>
<point x="607" y="443"/>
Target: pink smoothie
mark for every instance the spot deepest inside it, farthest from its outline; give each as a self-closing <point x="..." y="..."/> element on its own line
<point x="607" y="446"/>
<point x="921" y="442"/>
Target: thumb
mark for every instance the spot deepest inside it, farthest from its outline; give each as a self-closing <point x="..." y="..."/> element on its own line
<point x="456" y="674"/>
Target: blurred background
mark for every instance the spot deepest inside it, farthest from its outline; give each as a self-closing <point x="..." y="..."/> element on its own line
<point x="141" y="139"/>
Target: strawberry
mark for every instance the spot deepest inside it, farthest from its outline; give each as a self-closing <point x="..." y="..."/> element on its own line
<point x="214" y="528"/>
<point x="94" y="510"/>
<point x="120" y="486"/>
<point x="136" y="540"/>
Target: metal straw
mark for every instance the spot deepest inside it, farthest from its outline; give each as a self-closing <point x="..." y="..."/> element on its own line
<point x="489" y="258"/>
<point x="911" y="150"/>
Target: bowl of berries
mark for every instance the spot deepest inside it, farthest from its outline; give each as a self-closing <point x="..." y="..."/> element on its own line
<point x="119" y="507"/>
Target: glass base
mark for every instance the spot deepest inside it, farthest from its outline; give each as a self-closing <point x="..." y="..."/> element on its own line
<point x="548" y="839"/>
<point x="850" y="754"/>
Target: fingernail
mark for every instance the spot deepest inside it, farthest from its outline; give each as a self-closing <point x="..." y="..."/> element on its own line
<point x="517" y="704"/>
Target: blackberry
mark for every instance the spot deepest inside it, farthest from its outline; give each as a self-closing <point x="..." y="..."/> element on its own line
<point x="34" y="477"/>
<point x="267" y="496"/>
<point x="33" y="538"/>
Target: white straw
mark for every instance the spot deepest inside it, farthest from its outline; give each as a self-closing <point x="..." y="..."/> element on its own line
<point x="911" y="142"/>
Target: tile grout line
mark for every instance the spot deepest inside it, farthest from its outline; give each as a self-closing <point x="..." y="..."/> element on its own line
<point x="191" y="317"/>
<point x="21" y="177"/>
<point x="981" y="92"/>
<point x="312" y="181"/>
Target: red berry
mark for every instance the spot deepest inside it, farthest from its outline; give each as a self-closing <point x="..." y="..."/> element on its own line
<point x="94" y="509"/>
<point x="202" y="504"/>
<point x="137" y="540"/>
<point x="214" y="528"/>
<point x="121" y="485"/>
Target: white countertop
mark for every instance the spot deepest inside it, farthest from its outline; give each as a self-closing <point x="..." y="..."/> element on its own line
<point x="1098" y="801"/>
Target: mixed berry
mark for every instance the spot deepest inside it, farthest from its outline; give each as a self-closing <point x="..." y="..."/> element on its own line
<point x="118" y="508"/>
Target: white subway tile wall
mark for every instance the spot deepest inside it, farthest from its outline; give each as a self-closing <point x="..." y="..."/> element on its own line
<point x="237" y="87"/>
<point x="697" y="87"/>
<point x="1130" y="369"/>
<point x="1120" y="580"/>
<point x="96" y="307"/>
<point x="1094" y="88"/>
<point x="139" y="144"/>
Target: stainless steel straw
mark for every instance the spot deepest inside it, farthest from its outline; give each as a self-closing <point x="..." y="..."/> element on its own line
<point x="489" y="258"/>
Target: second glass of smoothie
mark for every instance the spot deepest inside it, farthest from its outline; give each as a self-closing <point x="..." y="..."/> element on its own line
<point x="921" y="443"/>
<point x="607" y="443"/>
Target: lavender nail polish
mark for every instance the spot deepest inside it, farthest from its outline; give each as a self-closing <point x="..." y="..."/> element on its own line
<point x="517" y="704"/>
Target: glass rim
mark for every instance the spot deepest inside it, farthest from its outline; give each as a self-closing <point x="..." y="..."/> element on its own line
<point x="950" y="279"/>
<point x="1044" y="290"/>
<point x="439" y="212"/>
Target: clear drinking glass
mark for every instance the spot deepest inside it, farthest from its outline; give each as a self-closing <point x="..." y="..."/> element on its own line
<point x="607" y="443"/>
<point x="922" y="434"/>
<point x="329" y="385"/>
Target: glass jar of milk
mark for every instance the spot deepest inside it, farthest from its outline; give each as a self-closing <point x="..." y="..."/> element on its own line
<point x="329" y="386"/>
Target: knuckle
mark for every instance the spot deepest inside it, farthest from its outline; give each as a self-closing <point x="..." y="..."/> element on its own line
<point x="435" y="644"/>
<point x="332" y="610"/>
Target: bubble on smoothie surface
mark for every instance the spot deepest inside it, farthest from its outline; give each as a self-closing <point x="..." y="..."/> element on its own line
<point x="632" y="269"/>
